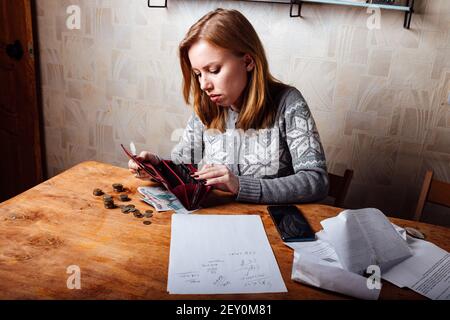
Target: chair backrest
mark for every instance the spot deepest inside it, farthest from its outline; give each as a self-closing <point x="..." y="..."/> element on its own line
<point x="433" y="191"/>
<point x="339" y="187"/>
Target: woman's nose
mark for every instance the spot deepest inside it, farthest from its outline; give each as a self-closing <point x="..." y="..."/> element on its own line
<point x="205" y="84"/>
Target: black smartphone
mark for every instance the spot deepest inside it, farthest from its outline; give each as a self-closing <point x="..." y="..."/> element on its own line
<point x="291" y="224"/>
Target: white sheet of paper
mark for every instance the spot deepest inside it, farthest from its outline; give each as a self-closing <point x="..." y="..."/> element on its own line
<point x="311" y="270"/>
<point x="365" y="237"/>
<point x="316" y="263"/>
<point x="319" y="248"/>
<point x="427" y="272"/>
<point x="211" y="254"/>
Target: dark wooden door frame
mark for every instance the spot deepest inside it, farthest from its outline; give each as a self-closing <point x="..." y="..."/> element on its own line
<point x="39" y="97"/>
<point x="23" y="162"/>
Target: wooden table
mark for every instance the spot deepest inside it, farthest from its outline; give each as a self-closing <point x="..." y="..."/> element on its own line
<point x="60" y="223"/>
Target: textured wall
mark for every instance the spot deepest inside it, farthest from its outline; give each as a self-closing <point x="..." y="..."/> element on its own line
<point x="378" y="96"/>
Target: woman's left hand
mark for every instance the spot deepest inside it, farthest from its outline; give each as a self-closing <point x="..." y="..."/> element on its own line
<point x="219" y="176"/>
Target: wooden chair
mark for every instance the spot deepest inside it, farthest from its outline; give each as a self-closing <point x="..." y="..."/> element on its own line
<point x="339" y="187"/>
<point x="433" y="191"/>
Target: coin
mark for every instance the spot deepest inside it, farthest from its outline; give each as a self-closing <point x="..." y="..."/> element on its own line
<point x="118" y="187"/>
<point x="414" y="233"/>
<point x="97" y="192"/>
<point x="137" y="214"/>
<point x="124" y="197"/>
<point x="147" y="222"/>
<point x="148" y="213"/>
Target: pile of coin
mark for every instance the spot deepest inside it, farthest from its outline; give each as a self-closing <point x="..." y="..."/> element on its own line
<point x="137" y="213"/>
<point x="128" y="208"/>
<point x="148" y="213"/>
<point x="131" y="208"/>
<point x="124" y="197"/>
<point x="97" y="192"/>
<point x="118" y="187"/>
<point x="108" y="201"/>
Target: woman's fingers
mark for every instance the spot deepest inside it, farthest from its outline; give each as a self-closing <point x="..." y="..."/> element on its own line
<point x="211" y="173"/>
<point x="144" y="156"/>
<point x="132" y="165"/>
<point x="149" y="157"/>
<point x="206" y="166"/>
<point x="216" y="180"/>
<point x="210" y="168"/>
<point x="219" y="176"/>
<point x="141" y="174"/>
<point x="135" y="169"/>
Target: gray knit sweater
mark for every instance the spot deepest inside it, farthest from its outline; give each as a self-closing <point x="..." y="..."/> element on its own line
<point x="282" y="164"/>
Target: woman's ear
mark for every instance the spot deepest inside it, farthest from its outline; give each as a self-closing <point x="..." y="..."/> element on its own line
<point x="249" y="62"/>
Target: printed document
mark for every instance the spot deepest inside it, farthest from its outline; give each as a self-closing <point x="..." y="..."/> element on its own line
<point x="427" y="272"/>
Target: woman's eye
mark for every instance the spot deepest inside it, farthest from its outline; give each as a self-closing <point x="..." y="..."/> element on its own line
<point x="198" y="75"/>
<point x="215" y="71"/>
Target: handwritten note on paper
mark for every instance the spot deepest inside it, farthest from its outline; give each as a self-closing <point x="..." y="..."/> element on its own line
<point x="221" y="254"/>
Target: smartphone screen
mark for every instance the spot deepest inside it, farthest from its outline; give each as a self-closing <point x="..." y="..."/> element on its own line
<point x="291" y="224"/>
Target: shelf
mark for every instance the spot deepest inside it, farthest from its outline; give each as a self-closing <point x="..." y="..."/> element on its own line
<point x="408" y="8"/>
<point x="361" y="4"/>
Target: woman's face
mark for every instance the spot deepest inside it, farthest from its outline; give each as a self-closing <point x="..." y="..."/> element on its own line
<point x="221" y="74"/>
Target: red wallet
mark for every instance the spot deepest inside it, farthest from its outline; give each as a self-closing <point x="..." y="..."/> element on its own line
<point x="177" y="179"/>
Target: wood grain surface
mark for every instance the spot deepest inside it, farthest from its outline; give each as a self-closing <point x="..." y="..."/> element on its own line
<point x="60" y="223"/>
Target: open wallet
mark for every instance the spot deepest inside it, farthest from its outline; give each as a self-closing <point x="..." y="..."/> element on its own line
<point x="177" y="179"/>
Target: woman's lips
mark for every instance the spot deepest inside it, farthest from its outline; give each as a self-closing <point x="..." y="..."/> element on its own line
<point x="215" y="97"/>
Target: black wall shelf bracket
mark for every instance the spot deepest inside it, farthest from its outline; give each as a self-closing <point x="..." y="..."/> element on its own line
<point x="299" y="9"/>
<point x="408" y="14"/>
<point x="157" y="6"/>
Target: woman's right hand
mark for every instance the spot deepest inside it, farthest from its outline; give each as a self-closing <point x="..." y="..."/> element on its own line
<point x="144" y="156"/>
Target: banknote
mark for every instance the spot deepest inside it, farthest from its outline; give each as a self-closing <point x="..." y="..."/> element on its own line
<point x="161" y="199"/>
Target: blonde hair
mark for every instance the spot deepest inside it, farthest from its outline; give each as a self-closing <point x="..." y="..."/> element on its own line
<point x="229" y="29"/>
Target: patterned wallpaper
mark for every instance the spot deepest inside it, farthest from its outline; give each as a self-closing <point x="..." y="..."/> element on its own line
<point x="379" y="96"/>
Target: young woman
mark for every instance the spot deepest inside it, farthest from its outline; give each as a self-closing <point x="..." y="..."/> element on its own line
<point x="250" y="134"/>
